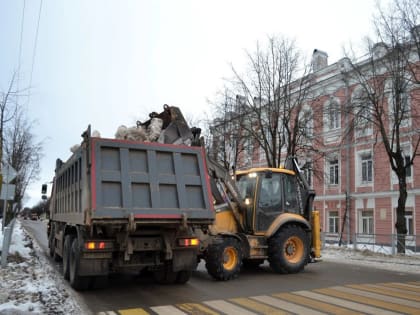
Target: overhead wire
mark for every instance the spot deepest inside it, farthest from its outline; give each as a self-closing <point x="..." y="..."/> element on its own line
<point x="22" y="23"/>
<point x="34" y="50"/>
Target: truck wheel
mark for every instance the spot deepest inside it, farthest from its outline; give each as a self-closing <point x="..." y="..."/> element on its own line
<point x="183" y="276"/>
<point x="252" y="263"/>
<point x="165" y="275"/>
<point x="68" y="240"/>
<point x="224" y="259"/>
<point x="76" y="281"/>
<point x="51" y="244"/>
<point x="288" y="250"/>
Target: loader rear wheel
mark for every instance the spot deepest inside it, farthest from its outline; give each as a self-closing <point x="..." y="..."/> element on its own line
<point x="68" y="240"/>
<point x="288" y="250"/>
<point x="224" y="259"/>
<point x="77" y="281"/>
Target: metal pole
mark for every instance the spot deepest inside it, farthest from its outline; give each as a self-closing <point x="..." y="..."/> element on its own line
<point x="5" y="201"/>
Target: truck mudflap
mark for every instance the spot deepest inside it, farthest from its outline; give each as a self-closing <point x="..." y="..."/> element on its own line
<point x="93" y="267"/>
<point x="184" y="259"/>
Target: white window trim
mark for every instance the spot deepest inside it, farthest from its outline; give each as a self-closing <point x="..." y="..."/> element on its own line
<point x="358" y="169"/>
<point x="327" y="171"/>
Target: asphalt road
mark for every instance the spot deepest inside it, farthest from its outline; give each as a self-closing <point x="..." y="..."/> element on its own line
<point x="131" y="294"/>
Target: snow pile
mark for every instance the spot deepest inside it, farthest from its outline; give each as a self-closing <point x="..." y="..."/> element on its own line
<point x="401" y="263"/>
<point x="29" y="284"/>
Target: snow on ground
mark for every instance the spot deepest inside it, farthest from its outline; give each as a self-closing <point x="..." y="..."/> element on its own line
<point x="30" y="285"/>
<point x="397" y="263"/>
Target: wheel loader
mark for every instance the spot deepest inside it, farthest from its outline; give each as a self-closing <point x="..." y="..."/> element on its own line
<point x="264" y="214"/>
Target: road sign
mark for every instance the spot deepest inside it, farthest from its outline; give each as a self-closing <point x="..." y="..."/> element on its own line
<point x="9" y="173"/>
<point x="7" y="190"/>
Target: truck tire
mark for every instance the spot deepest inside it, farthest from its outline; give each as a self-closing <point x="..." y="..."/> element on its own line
<point x="288" y="250"/>
<point x="77" y="282"/>
<point x="68" y="241"/>
<point x="165" y="275"/>
<point x="51" y="244"/>
<point x="224" y="259"/>
<point x="183" y="276"/>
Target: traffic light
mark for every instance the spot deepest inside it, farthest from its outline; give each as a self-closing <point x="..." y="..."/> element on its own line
<point x="44" y="189"/>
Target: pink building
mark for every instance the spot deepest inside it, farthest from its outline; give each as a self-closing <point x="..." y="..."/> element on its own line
<point x="356" y="190"/>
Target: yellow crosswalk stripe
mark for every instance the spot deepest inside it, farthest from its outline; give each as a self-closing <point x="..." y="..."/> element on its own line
<point x="367" y="300"/>
<point x="196" y="308"/>
<point x="259" y="307"/>
<point x="365" y="309"/>
<point x="133" y="311"/>
<point x="320" y="306"/>
<point x="402" y="286"/>
<point x="384" y="290"/>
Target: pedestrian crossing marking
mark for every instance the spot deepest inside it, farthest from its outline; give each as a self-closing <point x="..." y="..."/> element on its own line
<point x="167" y="310"/>
<point x="196" y="308"/>
<point x="390" y="292"/>
<point x="297" y="309"/>
<point x="133" y="311"/>
<point x="402" y="286"/>
<point x="228" y="308"/>
<point x="335" y="291"/>
<point x="375" y="294"/>
<point x="364" y="309"/>
<point x="382" y="298"/>
<point x="261" y="308"/>
<point x="321" y="306"/>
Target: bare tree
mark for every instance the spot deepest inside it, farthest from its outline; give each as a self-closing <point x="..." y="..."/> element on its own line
<point x="23" y="153"/>
<point x="229" y="139"/>
<point x="388" y="99"/>
<point x="8" y="108"/>
<point x="274" y="98"/>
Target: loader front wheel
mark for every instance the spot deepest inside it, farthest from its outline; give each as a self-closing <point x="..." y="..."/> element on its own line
<point x="288" y="250"/>
<point x="224" y="259"/>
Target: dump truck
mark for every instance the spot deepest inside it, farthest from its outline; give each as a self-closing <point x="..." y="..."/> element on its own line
<point x="122" y="205"/>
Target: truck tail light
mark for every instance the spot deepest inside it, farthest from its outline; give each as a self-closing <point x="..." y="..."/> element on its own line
<point x="95" y="245"/>
<point x="186" y="242"/>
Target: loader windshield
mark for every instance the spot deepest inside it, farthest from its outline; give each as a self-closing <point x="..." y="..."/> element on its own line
<point x="246" y="185"/>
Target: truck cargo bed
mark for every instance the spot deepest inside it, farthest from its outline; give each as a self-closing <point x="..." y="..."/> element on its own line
<point x="119" y="179"/>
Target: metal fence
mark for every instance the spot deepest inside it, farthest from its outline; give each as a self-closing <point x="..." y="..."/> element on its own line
<point x="390" y="244"/>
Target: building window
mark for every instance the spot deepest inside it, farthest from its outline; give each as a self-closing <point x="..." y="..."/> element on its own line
<point x="308" y="173"/>
<point x="333" y="222"/>
<point x="366" y="222"/>
<point x="407" y="159"/>
<point x="333" y="171"/>
<point x="409" y="222"/>
<point x="367" y="168"/>
<point x="333" y="115"/>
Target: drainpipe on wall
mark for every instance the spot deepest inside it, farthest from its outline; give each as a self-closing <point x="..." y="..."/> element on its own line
<point x="348" y="142"/>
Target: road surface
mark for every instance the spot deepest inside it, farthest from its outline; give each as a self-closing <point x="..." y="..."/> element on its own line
<point x="324" y="287"/>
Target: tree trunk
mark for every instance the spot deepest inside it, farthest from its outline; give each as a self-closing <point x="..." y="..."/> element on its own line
<point x="400" y="225"/>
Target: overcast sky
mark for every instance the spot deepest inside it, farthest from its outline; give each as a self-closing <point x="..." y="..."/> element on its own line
<point x="108" y="63"/>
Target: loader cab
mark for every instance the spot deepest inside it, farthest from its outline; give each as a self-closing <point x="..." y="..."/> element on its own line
<point x="267" y="193"/>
